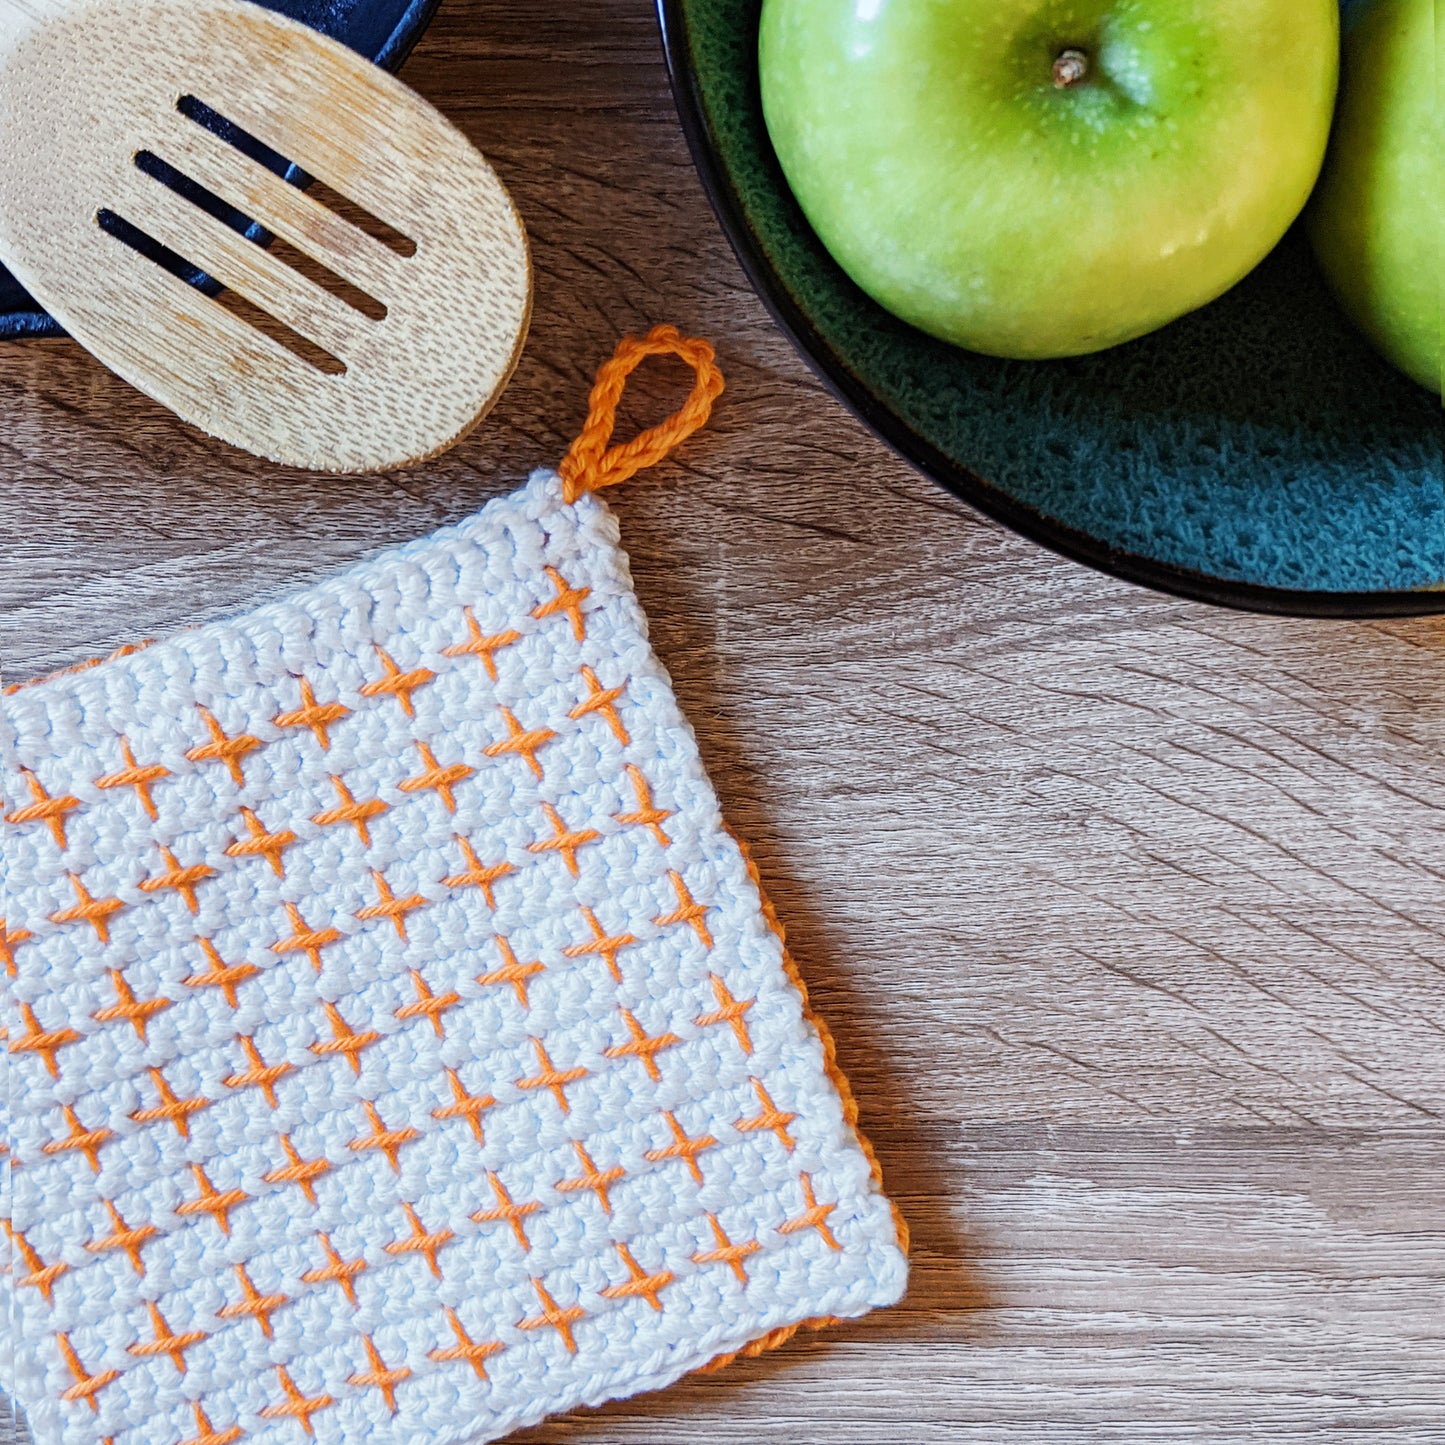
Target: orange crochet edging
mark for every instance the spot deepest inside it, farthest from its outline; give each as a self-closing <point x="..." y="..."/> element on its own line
<point x="764" y="1343"/>
<point x="75" y="667"/>
<point x="590" y="464"/>
<point x="839" y="1080"/>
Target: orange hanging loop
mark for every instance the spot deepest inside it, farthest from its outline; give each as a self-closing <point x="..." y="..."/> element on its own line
<point x="590" y="464"/>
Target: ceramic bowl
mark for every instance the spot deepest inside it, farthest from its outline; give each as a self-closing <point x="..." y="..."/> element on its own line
<point x="1256" y="454"/>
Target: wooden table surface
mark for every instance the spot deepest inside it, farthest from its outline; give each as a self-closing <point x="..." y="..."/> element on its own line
<point x="1128" y="914"/>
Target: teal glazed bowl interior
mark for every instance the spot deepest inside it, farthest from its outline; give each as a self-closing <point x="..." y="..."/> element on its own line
<point x="1256" y="454"/>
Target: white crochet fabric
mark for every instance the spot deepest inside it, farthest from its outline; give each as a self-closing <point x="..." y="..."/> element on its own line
<point x="399" y="1050"/>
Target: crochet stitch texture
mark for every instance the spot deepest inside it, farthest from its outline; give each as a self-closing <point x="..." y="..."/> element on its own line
<point x="398" y="1046"/>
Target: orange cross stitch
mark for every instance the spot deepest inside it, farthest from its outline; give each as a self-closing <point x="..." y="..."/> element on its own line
<point x="342" y="1272"/>
<point x="602" y="700"/>
<point x="564" y="840"/>
<point x="398" y="684"/>
<point x="599" y="1181"/>
<point x="45" y="1043"/>
<point x="40" y="1275"/>
<point x="305" y="939"/>
<point x="378" y="1376"/>
<point x="641" y="1285"/>
<point x="558" y="1319"/>
<point x="465" y="1106"/>
<point x="484" y="647"/>
<point x="348" y="810"/>
<point x="86" y="1386"/>
<point x="253" y="1304"/>
<point x="123" y="1236"/>
<point x="94" y="911"/>
<point x="815" y="1216"/>
<point x="344" y="1040"/>
<point x="641" y="1046"/>
<point x="646" y="815"/>
<point x="259" y="1074"/>
<point x="9" y="937"/>
<point x="514" y="1214"/>
<point x="682" y="1147"/>
<point x="524" y="742"/>
<point x="301" y="1172"/>
<point x="297" y="1406"/>
<point x="428" y="1004"/>
<point x="547" y="1077"/>
<point x="137" y="777"/>
<point x="389" y="1141"/>
<point x="688" y="911"/>
<point x="770" y="1117"/>
<point x="388" y="905"/>
<point x="437" y="778"/>
<point x="466" y="1348"/>
<point x="476" y="875"/>
<point x="604" y="946"/>
<point x="88" y="1141"/>
<point x="217" y="1203"/>
<point x="262" y="844"/>
<point x="730" y="1011"/>
<point x="421" y="1241"/>
<point x="221" y="975"/>
<point x="45" y="809"/>
<point x="569" y="599"/>
<point x="727" y="1252"/>
<point x="172" y="1109"/>
<point x="183" y="880"/>
<point x="207" y="1434"/>
<point x="317" y="716"/>
<point x="511" y="971"/>
<point x="223" y="749"/>
<point x="138" y="1013"/>
<point x="166" y="1341"/>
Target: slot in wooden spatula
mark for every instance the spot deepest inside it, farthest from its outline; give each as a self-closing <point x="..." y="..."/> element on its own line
<point x="386" y="315"/>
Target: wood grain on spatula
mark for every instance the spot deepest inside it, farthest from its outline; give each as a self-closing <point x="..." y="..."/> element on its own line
<point x="374" y="332"/>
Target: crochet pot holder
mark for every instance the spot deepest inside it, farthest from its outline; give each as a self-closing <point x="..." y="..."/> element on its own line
<point x="400" y="1048"/>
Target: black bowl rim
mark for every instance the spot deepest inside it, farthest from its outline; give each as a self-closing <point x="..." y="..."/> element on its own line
<point x="409" y="28"/>
<point x="967" y="485"/>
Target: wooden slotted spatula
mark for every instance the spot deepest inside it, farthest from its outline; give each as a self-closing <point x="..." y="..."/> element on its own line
<point x="391" y="308"/>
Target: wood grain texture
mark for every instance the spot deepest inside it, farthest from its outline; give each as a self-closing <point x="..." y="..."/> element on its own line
<point x="1128" y="915"/>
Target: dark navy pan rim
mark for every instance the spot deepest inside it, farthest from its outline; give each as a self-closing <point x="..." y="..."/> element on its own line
<point x="967" y="485"/>
<point x="409" y="27"/>
<point x="399" y="44"/>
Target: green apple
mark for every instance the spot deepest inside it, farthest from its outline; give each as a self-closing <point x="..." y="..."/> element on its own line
<point x="1378" y="218"/>
<point x="1038" y="178"/>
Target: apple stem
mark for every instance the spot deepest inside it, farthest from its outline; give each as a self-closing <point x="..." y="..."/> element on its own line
<point x="1070" y="69"/>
